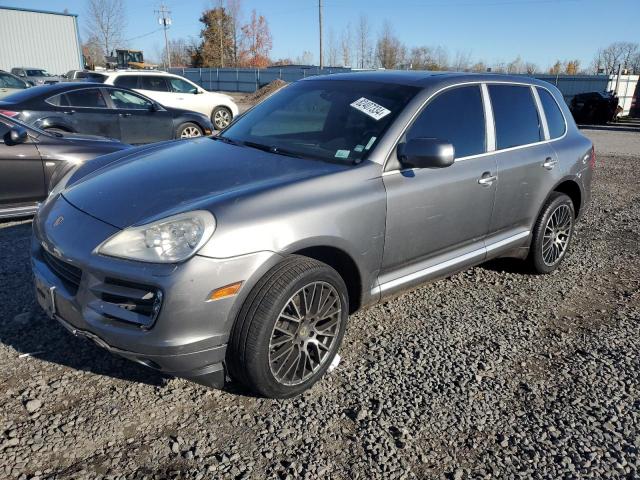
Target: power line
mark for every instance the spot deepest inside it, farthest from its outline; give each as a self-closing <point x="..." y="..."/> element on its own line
<point x="165" y="21"/>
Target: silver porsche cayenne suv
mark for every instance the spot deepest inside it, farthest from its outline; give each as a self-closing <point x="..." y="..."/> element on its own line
<point x="239" y="257"/>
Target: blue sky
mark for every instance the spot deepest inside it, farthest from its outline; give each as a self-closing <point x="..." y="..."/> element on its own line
<point x="540" y="31"/>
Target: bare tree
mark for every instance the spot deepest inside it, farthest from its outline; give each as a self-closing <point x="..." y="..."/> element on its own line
<point x="440" y="58"/>
<point x="106" y="21"/>
<point x="390" y="52"/>
<point x="234" y="10"/>
<point x="93" y="53"/>
<point x="461" y="61"/>
<point x="179" y="53"/>
<point x="332" y="49"/>
<point x="346" y="40"/>
<point x="305" y="59"/>
<point x="363" y="42"/>
<point x="479" y="67"/>
<point x="618" y="55"/>
<point x="515" y="66"/>
<point x="530" y="68"/>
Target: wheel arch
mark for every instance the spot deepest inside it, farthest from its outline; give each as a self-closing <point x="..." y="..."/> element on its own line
<point x="572" y="189"/>
<point x="343" y="263"/>
<point x="54" y="122"/>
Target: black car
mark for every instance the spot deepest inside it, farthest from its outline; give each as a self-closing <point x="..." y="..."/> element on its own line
<point x="594" y="107"/>
<point x="33" y="161"/>
<point x="105" y="111"/>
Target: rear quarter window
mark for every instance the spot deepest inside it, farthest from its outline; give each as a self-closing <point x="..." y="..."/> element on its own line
<point x="126" y="81"/>
<point x="515" y="115"/>
<point x="555" y="119"/>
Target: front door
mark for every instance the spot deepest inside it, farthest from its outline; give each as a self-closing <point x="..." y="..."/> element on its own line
<point x="438" y="218"/>
<point x="21" y="172"/>
<point x="141" y="121"/>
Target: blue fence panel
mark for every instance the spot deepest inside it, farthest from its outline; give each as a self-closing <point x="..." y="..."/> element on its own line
<point x="248" y="80"/>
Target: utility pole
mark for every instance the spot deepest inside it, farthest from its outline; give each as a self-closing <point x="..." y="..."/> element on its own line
<point x="165" y="21"/>
<point x="320" y="21"/>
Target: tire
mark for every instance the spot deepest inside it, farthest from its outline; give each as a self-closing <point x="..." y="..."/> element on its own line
<point x="552" y="234"/>
<point x="221" y="117"/>
<point x="257" y="349"/>
<point x="189" y="130"/>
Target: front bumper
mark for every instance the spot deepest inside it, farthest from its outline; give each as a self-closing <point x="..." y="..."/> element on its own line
<point x="189" y="335"/>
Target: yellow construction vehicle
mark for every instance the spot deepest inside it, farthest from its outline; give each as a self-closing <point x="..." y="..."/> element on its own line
<point x="124" y="59"/>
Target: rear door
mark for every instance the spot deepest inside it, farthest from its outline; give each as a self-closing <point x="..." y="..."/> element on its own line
<point x="87" y="112"/>
<point x="157" y="88"/>
<point x="139" y="121"/>
<point x="526" y="162"/>
<point x="21" y="172"/>
<point x="438" y="218"/>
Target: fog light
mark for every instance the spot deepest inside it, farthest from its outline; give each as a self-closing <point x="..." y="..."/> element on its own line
<point x="157" y="304"/>
<point x="223" y="292"/>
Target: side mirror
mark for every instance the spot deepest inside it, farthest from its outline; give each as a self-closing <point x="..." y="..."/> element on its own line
<point x="16" y="135"/>
<point x="154" y="107"/>
<point x="426" y="153"/>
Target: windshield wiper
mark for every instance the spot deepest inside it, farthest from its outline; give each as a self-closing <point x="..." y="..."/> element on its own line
<point x="273" y="149"/>
<point x="230" y="141"/>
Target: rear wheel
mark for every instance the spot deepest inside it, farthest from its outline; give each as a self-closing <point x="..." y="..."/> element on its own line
<point x="289" y="329"/>
<point x="221" y="117"/>
<point x="552" y="233"/>
<point x="189" y="130"/>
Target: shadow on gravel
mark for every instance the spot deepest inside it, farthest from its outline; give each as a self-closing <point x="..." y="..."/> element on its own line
<point x="613" y="127"/>
<point x="507" y="265"/>
<point x="26" y="329"/>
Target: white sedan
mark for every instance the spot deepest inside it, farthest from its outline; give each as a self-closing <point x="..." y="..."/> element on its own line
<point x="177" y="92"/>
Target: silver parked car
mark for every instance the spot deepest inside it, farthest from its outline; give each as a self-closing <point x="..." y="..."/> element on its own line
<point x="242" y="255"/>
<point x="35" y="76"/>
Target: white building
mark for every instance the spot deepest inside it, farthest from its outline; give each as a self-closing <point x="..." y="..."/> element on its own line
<point x="39" y="39"/>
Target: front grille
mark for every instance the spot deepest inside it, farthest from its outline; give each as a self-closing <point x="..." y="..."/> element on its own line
<point x="69" y="274"/>
<point x="128" y="301"/>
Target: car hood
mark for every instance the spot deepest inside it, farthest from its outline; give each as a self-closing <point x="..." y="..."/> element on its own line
<point x="135" y="187"/>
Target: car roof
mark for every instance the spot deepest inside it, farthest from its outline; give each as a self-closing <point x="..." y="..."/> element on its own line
<point x="424" y="79"/>
<point x="139" y="72"/>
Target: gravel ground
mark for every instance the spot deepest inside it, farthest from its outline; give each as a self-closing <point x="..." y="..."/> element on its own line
<point x="492" y="373"/>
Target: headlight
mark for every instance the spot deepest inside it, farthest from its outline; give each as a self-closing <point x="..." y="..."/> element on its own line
<point x="172" y="239"/>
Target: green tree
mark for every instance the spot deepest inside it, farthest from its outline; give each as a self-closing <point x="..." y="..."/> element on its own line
<point x="217" y="48"/>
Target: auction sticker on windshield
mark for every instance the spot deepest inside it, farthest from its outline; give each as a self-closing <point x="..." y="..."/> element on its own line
<point x="370" y="108"/>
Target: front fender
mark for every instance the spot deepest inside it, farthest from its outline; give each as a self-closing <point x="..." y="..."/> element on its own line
<point x="54" y="122"/>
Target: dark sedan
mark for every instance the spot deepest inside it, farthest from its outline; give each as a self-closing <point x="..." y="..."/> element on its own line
<point x="105" y="111"/>
<point x="33" y="161"/>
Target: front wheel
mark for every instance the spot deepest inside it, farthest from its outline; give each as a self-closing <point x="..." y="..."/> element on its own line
<point x="552" y="233"/>
<point x="289" y="328"/>
<point x="189" y="130"/>
<point x="221" y="117"/>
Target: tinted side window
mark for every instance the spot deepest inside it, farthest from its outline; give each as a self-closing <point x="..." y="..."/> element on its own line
<point x="555" y="119"/>
<point x="457" y="116"/>
<point x="126" y="81"/>
<point x="126" y="100"/>
<point x="89" y="98"/>
<point x="157" y="84"/>
<point x="180" y="86"/>
<point x="515" y="115"/>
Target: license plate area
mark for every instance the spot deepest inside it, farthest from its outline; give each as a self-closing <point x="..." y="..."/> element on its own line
<point x="46" y="297"/>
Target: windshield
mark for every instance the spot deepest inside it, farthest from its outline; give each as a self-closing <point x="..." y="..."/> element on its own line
<point x="135" y="57"/>
<point x="338" y="121"/>
<point x="38" y="73"/>
<point x="9" y="81"/>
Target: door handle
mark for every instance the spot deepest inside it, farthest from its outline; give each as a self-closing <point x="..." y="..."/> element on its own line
<point x="125" y="114"/>
<point x="69" y="112"/>
<point x="549" y="163"/>
<point x="486" y="180"/>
